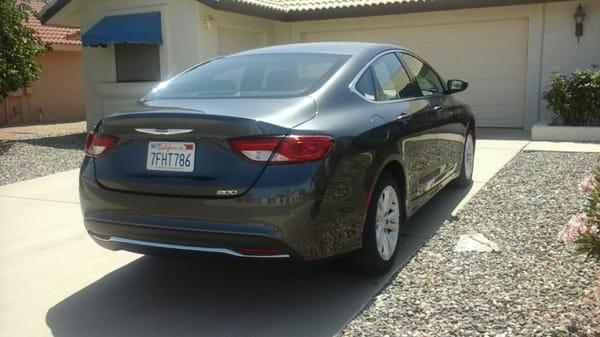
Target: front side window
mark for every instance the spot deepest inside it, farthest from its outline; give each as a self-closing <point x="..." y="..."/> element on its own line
<point x="261" y="75"/>
<point x="428" y="81"/>
<point x="137" y="62"/>
<point x="391" y="80"/>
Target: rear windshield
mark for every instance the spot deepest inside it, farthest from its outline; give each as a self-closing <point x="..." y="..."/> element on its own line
<point x="264" y="75"/>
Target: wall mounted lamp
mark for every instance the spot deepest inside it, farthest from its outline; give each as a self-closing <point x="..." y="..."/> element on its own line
<point x="579" y="16"/>
<point x="209" y="23"/>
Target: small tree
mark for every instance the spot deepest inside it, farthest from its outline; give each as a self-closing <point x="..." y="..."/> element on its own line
<point x="18" y="46"/>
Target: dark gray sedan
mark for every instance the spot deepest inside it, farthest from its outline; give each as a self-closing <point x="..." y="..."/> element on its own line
<point x="299" y="151"/>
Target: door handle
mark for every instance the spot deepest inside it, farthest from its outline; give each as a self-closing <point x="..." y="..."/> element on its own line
<point x="402" y="117"/>
<point x="438" y="108"/>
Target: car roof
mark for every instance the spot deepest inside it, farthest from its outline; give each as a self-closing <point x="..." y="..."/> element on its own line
<point x="344" y="48"/>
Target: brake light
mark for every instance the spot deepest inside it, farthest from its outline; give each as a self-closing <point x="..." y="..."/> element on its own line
<point x="97" y="145"/>
<point x="283" y="150"/>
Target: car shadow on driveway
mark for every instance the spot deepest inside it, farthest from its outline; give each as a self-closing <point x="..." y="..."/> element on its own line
<point x="213" y="296"/>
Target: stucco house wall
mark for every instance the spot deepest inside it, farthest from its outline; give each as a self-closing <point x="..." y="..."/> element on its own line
<point x="193" y="32"/>
<point x="58" y="94"/>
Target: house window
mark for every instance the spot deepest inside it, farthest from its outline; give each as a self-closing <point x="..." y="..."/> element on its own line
<point x="137" y="62"/>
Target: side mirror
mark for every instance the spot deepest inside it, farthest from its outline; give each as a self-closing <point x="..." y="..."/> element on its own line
<point x="456" y="86"/>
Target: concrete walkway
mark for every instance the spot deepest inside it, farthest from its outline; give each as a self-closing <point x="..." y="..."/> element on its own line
<point x="54" y="280"/>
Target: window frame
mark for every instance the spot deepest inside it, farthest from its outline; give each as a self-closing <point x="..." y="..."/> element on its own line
<point x="352" y="85"/>
<point x="369" y="72"/>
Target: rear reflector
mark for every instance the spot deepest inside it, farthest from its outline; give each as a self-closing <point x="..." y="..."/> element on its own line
<point x="97" y="145"/>
<point x="253" y="251"/>
<point x="283" y="150"/>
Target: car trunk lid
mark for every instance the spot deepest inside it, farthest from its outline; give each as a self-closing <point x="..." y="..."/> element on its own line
<point x="217" y="170"/>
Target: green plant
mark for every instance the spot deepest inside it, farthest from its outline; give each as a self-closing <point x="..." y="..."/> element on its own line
<point x="18" y="47"/>
<point x="575" y="99"/>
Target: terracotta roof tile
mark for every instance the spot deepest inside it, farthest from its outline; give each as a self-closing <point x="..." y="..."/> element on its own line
<point x="52" y="34"/>
<point x="312" y="5"/>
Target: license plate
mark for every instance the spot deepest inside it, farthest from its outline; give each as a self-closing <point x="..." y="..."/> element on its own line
<point x="171" y="156"/>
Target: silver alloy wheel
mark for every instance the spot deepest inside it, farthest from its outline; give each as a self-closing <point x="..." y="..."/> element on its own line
<point x="387" y="223"/>
<point x="469" y="156"/>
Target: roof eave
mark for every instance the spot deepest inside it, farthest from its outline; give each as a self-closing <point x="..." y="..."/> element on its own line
<point x="51" y="9"/>
<point x="246" y="9"/>
<point x="329" y="13"/>
<point x="358" y="11"/>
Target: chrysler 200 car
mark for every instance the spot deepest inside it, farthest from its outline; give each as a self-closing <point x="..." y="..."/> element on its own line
<point x="298" y="151"/>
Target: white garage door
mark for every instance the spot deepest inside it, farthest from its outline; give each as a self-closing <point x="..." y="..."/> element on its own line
<point x="491" y="56"/>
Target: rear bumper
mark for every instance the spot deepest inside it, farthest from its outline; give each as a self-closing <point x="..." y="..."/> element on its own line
<point x="116" y="243"/>
<point x="281" y="216"/>
<point x="145" y="234"/>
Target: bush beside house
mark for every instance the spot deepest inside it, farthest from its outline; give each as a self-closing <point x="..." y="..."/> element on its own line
<point x="575" y="99"/>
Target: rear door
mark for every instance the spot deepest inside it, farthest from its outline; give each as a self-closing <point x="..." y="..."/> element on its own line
<point x="412" y="125"/>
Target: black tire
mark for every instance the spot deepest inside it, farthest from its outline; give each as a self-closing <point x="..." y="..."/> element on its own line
<point x="464" y="180"/>
<point x="367" y="260"/>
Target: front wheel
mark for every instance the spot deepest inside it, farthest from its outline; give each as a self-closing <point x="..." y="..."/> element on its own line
<point x="466" y="171"/>
<point x="382" y="229"/>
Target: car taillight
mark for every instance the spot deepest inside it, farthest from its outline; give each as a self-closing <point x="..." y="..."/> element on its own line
<point x="283" y="150"/>
<point x="97" y="145"/>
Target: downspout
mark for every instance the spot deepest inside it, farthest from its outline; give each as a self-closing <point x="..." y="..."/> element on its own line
<point x="541" y="70"/>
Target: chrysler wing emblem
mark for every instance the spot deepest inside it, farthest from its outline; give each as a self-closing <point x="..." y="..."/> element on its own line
<point x="164" y="132"/>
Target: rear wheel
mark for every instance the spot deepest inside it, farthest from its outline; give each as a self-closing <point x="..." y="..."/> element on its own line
<point x="382" y="228"/>
<point x="468" y="161"/>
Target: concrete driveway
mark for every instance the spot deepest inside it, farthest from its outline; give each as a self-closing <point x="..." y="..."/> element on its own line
<point x="54" y="280"/>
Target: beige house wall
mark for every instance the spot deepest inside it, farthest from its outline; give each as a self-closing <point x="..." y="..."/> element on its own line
<point x="193" y="32"/>
<point x="560" y="50"/>
<point x="187" y="40"/>
<point x="180" y="49"/>
<point x="56" y="96"/>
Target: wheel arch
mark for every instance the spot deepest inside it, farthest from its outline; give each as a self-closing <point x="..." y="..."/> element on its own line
<point x="396" y="170"/>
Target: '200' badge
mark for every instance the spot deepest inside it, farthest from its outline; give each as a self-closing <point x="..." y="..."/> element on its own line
<point x="227" y="192"/>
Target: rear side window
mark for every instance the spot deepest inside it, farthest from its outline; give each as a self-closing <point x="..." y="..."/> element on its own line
<point x="365" y="85"/>
<point x="261" y="75"/>
<point x="391" y="80"/>
<point x="428" y="81"/>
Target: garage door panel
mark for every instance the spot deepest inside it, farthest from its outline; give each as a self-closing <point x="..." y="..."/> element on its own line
<point x="499" y="116"/>
<point x="491" y="56"/>
<point x="503" y="92"/>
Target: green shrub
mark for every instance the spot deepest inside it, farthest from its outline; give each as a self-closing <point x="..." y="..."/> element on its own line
<point x="575" y="99"/>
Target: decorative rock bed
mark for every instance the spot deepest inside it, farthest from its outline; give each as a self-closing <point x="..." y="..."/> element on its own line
<point x="532" y="286"/>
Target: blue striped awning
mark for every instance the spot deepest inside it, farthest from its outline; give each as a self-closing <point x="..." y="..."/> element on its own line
<point x="130" y="28"/>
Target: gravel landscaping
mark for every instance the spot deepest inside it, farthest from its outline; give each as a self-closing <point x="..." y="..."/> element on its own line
<point x="534" y="286"/>
<point x="28" y="152"/>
